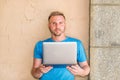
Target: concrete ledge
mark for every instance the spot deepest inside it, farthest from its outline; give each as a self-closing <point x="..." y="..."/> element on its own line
<point x="105" y="1"/>
<point x="105" y="63"/>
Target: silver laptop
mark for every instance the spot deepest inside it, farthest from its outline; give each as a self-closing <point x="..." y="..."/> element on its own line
<point x="57" y="53"/>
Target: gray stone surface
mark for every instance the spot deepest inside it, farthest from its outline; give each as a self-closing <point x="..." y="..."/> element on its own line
<point x="105" y="64"/>
<point x="105" y="26"/>
<point x="105" y="1"/>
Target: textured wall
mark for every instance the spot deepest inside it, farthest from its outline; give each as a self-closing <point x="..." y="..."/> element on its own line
<point x="24" y="22"/>
<point x="105" y="40"/>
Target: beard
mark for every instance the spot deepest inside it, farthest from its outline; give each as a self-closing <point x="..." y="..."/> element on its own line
<point x="57" y="32"/>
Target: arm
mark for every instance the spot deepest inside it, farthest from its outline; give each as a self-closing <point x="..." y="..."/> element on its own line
<point x="38" y="69"/>
<point x="85" y="67"/>
<point x="82" y="69"/>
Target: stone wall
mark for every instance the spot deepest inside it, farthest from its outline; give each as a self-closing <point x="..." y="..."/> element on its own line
<point x="105" y="40"/>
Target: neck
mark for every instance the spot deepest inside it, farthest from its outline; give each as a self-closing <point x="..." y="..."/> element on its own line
<point x="58" y="38"/>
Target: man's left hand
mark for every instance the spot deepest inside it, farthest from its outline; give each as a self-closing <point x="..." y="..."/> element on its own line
<point x="75" y="70"/>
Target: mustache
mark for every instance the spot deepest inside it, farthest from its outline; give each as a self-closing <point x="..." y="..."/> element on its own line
<point x="58" y="29"/>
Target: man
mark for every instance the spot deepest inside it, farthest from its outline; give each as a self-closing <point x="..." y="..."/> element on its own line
<point x="57" y="25"/>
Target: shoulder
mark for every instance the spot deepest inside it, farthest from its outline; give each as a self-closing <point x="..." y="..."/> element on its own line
<point x="72" y="39"/>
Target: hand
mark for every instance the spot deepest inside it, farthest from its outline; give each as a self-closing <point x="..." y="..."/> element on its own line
<point x="44" y="69"/>
<point x="75" y="70"/>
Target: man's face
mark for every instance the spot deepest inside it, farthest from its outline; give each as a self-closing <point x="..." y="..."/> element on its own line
<point x="57" y="25"/>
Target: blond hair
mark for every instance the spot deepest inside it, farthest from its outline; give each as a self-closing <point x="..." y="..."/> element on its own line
<point x="56" y="13"/>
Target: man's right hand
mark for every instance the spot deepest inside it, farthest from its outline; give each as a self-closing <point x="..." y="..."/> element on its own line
<point x="39" y="69"/>
<point x="44" y="69"/>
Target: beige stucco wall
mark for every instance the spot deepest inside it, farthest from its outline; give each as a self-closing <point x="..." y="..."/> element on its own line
<point x="24" y="22"/>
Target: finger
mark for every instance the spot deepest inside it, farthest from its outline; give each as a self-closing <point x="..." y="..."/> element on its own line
<point x="41" y="66"/>
<point x="48" y="66"/>
<point x="72" y="69"/>
<point x="46" y="69"/>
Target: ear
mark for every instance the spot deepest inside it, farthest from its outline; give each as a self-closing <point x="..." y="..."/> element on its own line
<point x="48" y="24"/>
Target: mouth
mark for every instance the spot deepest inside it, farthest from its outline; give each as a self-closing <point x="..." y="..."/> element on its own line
<point x="57" y="30"/>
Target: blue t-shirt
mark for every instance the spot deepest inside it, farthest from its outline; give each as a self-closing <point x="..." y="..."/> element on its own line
<point x="59" y="72"/>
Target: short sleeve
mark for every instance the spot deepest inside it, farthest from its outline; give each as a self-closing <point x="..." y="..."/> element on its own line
<point x="81" y="54"/>
<point x="38" y="50"/>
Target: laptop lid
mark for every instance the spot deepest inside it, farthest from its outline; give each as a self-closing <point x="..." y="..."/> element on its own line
<point x="57" y="53"/>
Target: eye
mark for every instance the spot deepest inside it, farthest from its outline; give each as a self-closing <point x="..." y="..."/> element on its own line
<point x="53" y="23"/>
<point x="61" y="23"/>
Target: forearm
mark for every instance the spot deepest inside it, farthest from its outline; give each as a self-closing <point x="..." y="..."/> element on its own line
<point x="85" y="71"/>
<point x="36" y="73"/>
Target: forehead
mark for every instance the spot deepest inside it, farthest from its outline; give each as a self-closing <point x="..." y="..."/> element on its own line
<point x="56" y="18"/>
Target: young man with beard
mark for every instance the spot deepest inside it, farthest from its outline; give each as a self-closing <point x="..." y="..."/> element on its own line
<point x="57" y="25"/>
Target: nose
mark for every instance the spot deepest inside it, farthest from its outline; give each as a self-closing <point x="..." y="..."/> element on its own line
<point x="57" y="25"/>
